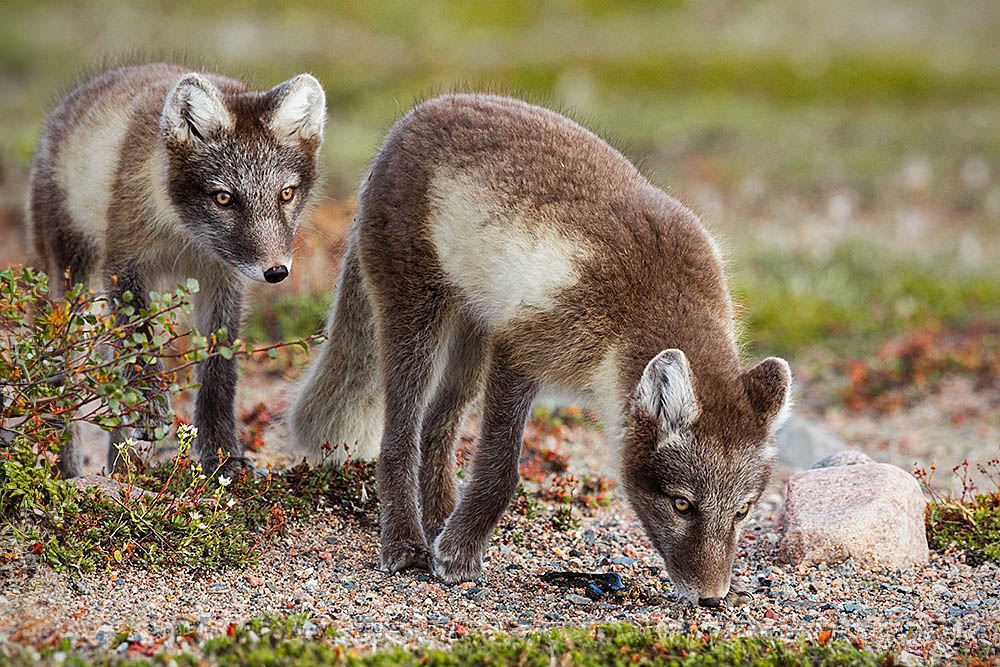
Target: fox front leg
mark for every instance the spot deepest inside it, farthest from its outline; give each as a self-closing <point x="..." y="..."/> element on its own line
<point x="218" y="448"/>
<point x="458" y="550"/>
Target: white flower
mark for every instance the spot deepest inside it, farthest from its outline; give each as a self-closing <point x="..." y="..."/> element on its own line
<point x="202" y="525"/>
<point x="230" y="502"/>
<point x="195" y="516"/>
<point x="225" y="481"/>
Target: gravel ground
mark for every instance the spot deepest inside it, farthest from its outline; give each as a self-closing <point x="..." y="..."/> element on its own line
<point x="327" y="569"/>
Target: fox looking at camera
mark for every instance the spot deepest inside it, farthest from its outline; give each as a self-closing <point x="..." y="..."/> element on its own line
<point x="500" y="248"/>
<point x="154" y="172"/>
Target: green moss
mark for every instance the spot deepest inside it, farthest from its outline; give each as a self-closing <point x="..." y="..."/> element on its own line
<point x="972" y="526"/>
<point x="603" y="645"/>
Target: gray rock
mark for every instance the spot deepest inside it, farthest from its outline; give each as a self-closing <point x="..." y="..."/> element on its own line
<point x="870" y="513"/>
<point x="578" y="599"/>
<point x="848" y="457"/>
<point x="800" y="442"/>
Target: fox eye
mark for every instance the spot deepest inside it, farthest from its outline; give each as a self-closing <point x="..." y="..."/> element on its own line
<point x="223" y="198"/>
<point x="682" y="505"/>
<point x="742" y="511"/>
<point x="287" y="193"/>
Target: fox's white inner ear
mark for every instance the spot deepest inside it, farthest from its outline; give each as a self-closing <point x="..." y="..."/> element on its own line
<point x="769" y="388"/>
<point x="301" y="110"/>
<point x="194" y="110"/>
<point x="666" y="391"/>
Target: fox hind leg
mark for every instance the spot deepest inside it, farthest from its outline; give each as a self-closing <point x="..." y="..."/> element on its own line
<point x="459" y="385"/>
<point x="411" y="331"/>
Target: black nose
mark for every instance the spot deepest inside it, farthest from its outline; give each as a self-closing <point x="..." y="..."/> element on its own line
<point x="276" y="274"/>
<point x="709" y="602"/>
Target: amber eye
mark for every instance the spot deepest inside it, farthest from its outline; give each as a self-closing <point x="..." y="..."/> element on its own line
<point x="287" y="193"/>
<point x="742" y="511"/>
<point x="682" y="504"/>
<point x="223" y="198"/>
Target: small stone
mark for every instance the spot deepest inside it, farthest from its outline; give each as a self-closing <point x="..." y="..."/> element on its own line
<point x="907" y="659"/>
<point x="81" y="588"/>
<point x="578" y="599"/>
<point x="589" y="537"/>
<point x="623" y="560"/>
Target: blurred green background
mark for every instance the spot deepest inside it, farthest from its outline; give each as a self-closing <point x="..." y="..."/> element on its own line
<point x="846" y="153"/>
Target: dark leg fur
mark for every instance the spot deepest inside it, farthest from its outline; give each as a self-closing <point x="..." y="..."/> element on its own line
<point x="459" y="549"/>
<point x="219" y="306"/>
<point x="410" y="335"/>
<point x="459" y="385"/>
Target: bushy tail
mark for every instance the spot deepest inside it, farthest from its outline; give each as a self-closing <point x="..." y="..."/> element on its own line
<point x="341" y="399"/>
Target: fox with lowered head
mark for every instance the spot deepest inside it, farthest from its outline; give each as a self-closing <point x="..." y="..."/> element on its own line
<point x="155" y="172"/>
<point x="500" y="247"/>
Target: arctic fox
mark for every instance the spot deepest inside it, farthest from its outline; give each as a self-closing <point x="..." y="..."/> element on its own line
<point x="153" y="172"/>
<point x="500" y="244"/>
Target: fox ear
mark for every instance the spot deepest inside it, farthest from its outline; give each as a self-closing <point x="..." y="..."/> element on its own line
<point x="194" y="110"/>
<point x="768" y="386"/>
<point x="301" y="110"/>
<point x="666" y="391"/>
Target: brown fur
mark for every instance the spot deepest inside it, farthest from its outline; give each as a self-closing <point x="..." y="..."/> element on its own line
<point x="633" y="278"/>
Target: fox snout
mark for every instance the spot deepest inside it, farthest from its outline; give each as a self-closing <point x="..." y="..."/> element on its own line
<point x="271" y="270"/>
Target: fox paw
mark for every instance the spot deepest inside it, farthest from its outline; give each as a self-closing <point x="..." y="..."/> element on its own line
<point x="456" y="563"/>
<point x="405" y="555"/>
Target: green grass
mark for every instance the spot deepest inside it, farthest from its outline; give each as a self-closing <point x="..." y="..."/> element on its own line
<point x="972" y="526"/>
<point x="853" y="298"/>
<point x="970" y="522"/>
<point x="609" y="645"/>
<point x="287" y="317"/>
<point x="170" y="515"/>
<point x="817" y="96"/>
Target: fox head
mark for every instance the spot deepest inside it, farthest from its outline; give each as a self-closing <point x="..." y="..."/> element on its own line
<point x="241" y="165"/>
<point x="693" y="472"/>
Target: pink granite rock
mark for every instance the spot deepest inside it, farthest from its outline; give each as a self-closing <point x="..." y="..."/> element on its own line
<point x="873" y="513"/>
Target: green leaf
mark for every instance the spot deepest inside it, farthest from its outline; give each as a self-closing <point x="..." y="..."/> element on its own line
<point x="192" y="285"/>
<point x="118" y="555"/>
<point x="226" y="352"/>
<point x="127" y="296"/>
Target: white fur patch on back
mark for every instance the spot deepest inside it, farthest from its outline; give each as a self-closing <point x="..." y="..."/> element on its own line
<point x="87" y="166"/>
<point x="504" y="261"/>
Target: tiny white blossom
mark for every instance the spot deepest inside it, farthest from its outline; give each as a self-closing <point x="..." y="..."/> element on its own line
<point x="202" y="525"/>
<point x="225" y="481"/>
<point x="195" y="516"/>
<point x="230" y="502"/>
